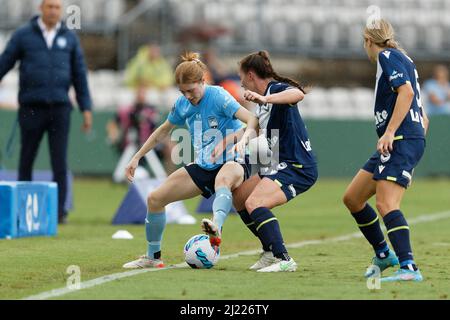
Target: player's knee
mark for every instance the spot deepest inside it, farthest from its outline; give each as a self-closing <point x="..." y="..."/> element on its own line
<point x="384" y="206"/>
<point x="351" y="203"/>
<point x="155" y="202"/>
<point x="223" y="181"/>
<point x="251" y="204"/>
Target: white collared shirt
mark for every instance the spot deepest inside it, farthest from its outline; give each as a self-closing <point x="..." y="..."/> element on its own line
<point x="49" y="35"/>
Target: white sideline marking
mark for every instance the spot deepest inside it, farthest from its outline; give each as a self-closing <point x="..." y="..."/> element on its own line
<point x="108" y="278"/>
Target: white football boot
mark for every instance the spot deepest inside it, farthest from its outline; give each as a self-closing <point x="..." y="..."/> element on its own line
<point x="144" y="262"/>
<point x="266" y="259"/>
<point x="281" y="266"/>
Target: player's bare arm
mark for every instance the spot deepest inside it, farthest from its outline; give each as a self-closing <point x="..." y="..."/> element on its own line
<point x="402" y="106"/>
<point x="159" y="135"/>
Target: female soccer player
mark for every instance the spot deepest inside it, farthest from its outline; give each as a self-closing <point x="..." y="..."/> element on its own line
<point x="209" y="112"/>
<point x="401" y="124"/>
<point x="295" y="168"/>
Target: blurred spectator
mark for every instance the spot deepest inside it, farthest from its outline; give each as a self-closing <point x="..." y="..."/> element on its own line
<point x="220" y="75"/>
<point x="150" y="69"/>
<point x="134" y="124"/>
<point x="437" y="92"/>
<point x="217" y="70"/>
<point x="51" y="61"/>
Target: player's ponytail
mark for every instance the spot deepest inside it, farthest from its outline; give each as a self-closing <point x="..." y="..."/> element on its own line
<point x="191" y="69"/>
<point x="260" y="63"/>
<point x="382" y="34"/>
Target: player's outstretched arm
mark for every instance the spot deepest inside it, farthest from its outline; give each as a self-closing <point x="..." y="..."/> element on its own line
<point x="403" y="104"/>
<point x="290" y="96"/>
<point x="242" y="135"/>
<point x="157" y="136"/>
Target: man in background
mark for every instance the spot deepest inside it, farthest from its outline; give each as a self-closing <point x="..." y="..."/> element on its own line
<point x="51" y="61"/>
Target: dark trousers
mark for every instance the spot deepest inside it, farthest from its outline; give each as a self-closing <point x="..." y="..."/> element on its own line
<point x="34" y="121"/>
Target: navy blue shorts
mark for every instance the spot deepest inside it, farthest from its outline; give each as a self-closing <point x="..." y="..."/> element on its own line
<point x="205" y="180"/>
<point x="398" y="166"/>
<point x="292" y="178"/>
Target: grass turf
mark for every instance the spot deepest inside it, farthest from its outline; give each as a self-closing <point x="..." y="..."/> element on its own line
<point x="326" y="271"/>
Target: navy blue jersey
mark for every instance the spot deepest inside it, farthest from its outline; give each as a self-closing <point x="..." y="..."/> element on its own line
<point x="285" y="129"/>
<point x="394" y="70"/>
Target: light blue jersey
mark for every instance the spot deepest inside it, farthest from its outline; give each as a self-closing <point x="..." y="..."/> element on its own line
<point x="208" y="122"/>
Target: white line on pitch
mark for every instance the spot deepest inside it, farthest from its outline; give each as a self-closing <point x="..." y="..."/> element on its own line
<point x="101" y="280"/>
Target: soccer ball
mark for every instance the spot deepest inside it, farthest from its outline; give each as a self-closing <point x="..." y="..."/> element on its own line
<point x="199" y="254"/>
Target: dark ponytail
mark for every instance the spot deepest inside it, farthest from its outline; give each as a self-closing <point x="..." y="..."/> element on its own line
<point x="259" y="62"/>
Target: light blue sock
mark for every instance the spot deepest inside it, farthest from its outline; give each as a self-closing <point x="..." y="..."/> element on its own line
<point x="154" y="228"/>
<point x="222" y="206"/>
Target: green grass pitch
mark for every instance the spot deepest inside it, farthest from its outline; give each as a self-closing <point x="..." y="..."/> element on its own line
<point x="328" y="270"/>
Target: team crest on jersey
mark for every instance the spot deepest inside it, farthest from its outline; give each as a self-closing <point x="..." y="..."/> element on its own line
<point x="385" y="158"/>
<point x="61" y="42"/>
<point x="213" y="123"/>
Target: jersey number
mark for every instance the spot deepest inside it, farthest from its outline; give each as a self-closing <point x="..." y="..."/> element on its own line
<point x="416" y="116"/>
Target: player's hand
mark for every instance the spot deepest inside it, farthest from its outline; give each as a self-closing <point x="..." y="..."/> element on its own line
<point x="239" y="148"/>
<point x="254" y="97"/>
<point x="131" y="169"/>
<point x="87" y="121"/>
<point x="385" y="144"/>
<point x="218" y="151"/>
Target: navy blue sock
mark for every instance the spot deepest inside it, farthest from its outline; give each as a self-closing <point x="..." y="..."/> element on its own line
<point x="252" y="227"/>
<point x="398" y="233"/>
<point x="369" y="224"/>
<point x="269" y="231"/>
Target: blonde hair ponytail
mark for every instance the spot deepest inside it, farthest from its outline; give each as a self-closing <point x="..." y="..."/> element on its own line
<point x="382" y="34"/>
<point x="191" y="70"/>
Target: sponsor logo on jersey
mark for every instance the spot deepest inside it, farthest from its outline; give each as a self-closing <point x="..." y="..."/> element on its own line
<point x="387" y="54"/>
<point x="395" y="75"/>
<point x="227" y="102"/>
<point x="381" y="117"/>
<point x="381" y="168"/>
<point x="307" y="145"/>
